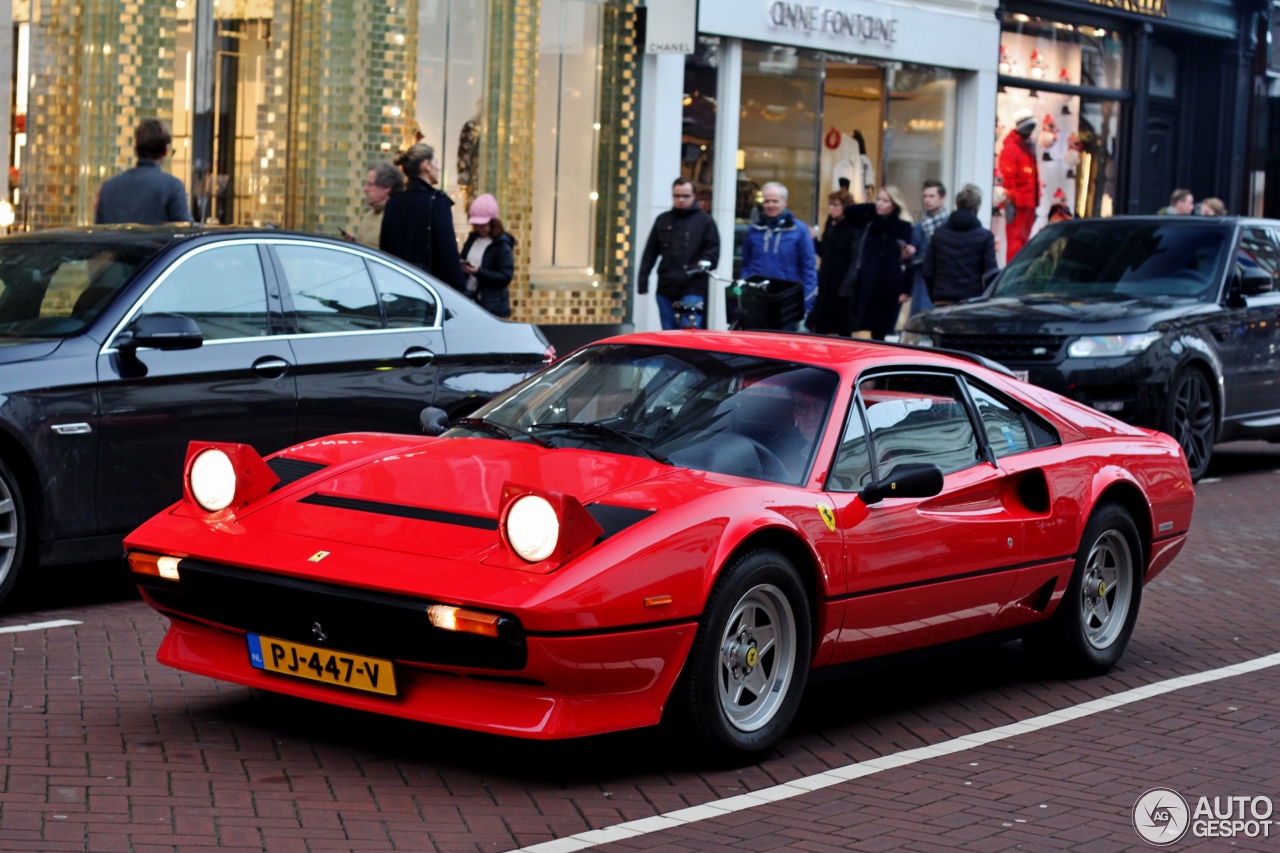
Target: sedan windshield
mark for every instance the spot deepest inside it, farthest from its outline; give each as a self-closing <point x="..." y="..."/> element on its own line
<point x="55" y="289"/>
<point x="710" y="411"/>
<point x="1178" y="258"/>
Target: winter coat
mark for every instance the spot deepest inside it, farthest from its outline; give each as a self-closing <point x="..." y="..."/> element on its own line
<point x="1020" y="171"/>
<point x="144" y="195"/>
<point x="959" y="255"/>
<point x="838" y="247"/>
<point x="493" y="276"/>
<point x="369" y="228"/>
<point x="881" y="278"/>
<point x="682" y="236"/>
<point x="417" y="226"/>
<point x="782" y="249"/>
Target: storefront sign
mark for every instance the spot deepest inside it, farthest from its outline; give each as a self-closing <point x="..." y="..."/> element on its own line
<point x="798" y="16"/>
<point x="670" y="26"/>
<point x="1141" y="7"/>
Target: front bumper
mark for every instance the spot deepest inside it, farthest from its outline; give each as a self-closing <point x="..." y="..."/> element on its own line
<point x="570" y="686"/>
<point x="1128" y="388"/>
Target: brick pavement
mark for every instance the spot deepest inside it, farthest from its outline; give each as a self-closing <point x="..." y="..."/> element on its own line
<point x="105" y="750"/>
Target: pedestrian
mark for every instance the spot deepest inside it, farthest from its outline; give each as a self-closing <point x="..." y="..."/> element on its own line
<point x="1213" y="207"/>
<point x="881" y="286"/>
<point x="704" y="199"/>
<point x="1021" y="181"/>
<point x="145" y="194"/>
<point x="682" y="236"/>
<point x="1181" y="203"/>
<point x="779" y="247"/>
<point x="382" y="181"/>
<point x="489" y="258"/>
<point x="417" y="224"/>
<point x="961" y="253"/>
<point x="934" y="199"/>
<point x="837" y="247"/>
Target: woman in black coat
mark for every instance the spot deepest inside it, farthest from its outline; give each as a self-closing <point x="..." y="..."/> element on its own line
<point x="489" y="275"/>
<point x="882" y="283"/>
<point x="417" y="225"/>
<point x="832" y="313"/>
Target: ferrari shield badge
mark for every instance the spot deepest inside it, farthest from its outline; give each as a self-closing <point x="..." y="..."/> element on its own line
<point x="317" y="556"/>
<point x="828" y="515"/>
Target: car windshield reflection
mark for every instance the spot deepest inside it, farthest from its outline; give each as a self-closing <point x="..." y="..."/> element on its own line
<point x="709" y="411"/>
<point x="56" y="289"/>
<point x="1178" y="258"/>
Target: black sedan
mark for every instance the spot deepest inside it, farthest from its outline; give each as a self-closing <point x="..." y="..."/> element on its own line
<point x="119" y="345"/>
<point x="1166" y="322"/>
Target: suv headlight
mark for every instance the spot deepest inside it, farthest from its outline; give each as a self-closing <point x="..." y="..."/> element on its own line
<point x="918" y="339"/>
<point x="1100" y="346"/>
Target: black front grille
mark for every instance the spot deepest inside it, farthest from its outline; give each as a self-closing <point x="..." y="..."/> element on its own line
<point x="355" y="620"/>
<point x="1004" y="348"/>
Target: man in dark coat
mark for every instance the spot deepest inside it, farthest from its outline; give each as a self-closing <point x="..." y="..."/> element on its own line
<point x="961" y="252"/>
<point x="417" y="225"/>
<point x="682" y="236"/>
<point x="146" y="194"/>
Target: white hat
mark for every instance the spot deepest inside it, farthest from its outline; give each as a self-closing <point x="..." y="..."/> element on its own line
<point x="1023" y="116"/>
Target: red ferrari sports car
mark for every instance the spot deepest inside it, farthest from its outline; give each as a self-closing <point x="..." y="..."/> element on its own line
<point x="691" y="523"/>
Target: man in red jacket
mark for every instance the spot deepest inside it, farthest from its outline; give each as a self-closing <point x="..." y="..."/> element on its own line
<point x="1021" y="176"/>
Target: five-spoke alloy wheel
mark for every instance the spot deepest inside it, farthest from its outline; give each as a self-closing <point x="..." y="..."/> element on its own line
<point x="750" y="660"/>
<point x="13" y="530"/>
<point x="1190" y="418"/>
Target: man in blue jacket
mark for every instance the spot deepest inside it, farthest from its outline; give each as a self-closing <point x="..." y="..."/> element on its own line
<point x="779" y="246"/>
<point x="145" y="194"/>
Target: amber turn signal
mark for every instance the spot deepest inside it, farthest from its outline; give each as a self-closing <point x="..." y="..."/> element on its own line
<point x="450" y="618"/>
<point x="657" y="601"/>
<point x="157" y="565"/>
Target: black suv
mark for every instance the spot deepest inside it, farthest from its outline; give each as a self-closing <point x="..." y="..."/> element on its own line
<point x="1165" y="322"/>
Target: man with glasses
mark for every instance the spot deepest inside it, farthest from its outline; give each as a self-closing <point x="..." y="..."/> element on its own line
<point x="682" y="237"/>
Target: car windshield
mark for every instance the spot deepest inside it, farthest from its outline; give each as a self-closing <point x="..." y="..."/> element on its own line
<point x="1178" y="258"/>
<point x="710" y="411"/>
<point x="55" y="289"/>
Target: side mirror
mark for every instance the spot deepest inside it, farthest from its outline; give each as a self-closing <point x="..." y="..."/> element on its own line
<point x="161" y="331"/>
<point x="434" y="421"/>
<point x="911" y="480"/>
<point x="1255" y="280"/>
<point x="1235" y="290"/>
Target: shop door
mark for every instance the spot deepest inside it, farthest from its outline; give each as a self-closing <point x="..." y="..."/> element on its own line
<point x="1159" y="166"/>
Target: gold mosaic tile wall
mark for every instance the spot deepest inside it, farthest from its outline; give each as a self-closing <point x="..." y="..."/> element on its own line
<point x="97" y="68"/>
<point x="342" y="96"/>
<point x="606" y="301"/>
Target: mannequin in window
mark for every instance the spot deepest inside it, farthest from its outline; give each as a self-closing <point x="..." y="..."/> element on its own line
<point x="1021" y="174"/>
<point x="868" y="170"/>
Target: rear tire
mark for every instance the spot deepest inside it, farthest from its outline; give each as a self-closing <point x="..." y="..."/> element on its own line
<point x="1189" y="417"/>
<point x="749" y="663"/>
<point x="14" y="531"/>
<point x="1091" y="628"/>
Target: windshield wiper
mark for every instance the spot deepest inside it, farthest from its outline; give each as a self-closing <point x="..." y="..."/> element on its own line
<point x="495" y="428"/>
<point x="602" y="429"/>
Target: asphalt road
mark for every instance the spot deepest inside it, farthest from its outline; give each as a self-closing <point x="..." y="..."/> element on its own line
<point x="105" y="750"/>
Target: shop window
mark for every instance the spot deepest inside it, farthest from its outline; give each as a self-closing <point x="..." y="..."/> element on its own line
<point x="779" y="131"/>
<point x="852" y="145"/>
<point x="1043" y="51"/>
<point x="566" y="134"/>
<point x="1162" y="74"/>
<point x="698" y="135"/>
<point x="920" y="140"/>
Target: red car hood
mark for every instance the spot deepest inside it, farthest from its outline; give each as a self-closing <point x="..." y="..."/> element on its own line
<point x="457" y="481"/>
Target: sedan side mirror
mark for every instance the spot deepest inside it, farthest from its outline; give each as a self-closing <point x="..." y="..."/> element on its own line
<point x="161" y="331"/>
<point x="910" y="480"/>
<point x="434" y="421"/>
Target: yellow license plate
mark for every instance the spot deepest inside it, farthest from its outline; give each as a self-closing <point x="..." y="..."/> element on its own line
<point x="358" y="672"/>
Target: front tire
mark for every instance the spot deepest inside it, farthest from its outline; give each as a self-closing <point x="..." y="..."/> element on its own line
<point x="1092" y="626"/>
<point x="750" y="660"/>
<point x="14" y="531"/>
<point x="1190" y="418"/>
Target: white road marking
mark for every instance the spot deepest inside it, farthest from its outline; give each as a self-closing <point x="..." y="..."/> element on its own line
<point x="716" y="808"/>
<point x="39" y="626"/>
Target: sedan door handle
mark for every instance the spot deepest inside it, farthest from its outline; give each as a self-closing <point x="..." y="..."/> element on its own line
<point x="418" y="356"/>
<point x="270" y="367"/>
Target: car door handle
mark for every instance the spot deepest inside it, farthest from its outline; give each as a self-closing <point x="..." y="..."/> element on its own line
<point x="418" y="356"/>
<point x="270" y="367"/>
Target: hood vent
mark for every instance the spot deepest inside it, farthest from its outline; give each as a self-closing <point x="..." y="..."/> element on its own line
<point x="292" y="470"/>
